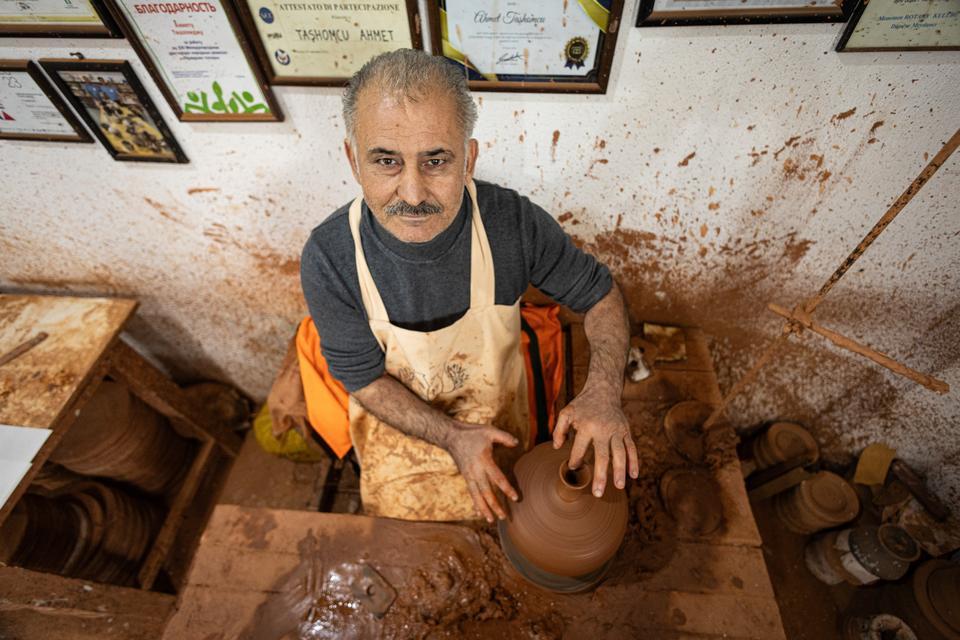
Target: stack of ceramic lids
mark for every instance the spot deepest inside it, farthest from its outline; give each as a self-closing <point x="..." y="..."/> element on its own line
<point x="118" y="436"/>
<point x="85" y="530"/>
<point x="822" y="501"/>
<point x="863" y="555"/>
<point x="784" y="441"/>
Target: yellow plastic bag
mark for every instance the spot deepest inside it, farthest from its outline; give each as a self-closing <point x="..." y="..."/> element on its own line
<point x="290" y="444"/>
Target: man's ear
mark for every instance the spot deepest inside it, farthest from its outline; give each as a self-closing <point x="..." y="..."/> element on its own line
<point x="472" y="150"/>
<point x="354" y="167"/>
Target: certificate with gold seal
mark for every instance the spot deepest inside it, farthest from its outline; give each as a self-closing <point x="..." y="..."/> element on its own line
<point x="552" y="45"/>
<point x="303" y="42"/>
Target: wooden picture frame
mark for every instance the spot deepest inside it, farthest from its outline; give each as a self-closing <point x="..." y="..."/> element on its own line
<point x="34" y="73"/>
<point x="128" y="123"/>
<point x="269" y="40"/>
<point x="577" y="48"/>
<point x="240" y="101"/>
<point x="907" y="39"/>
<point x="671" y="13"/>
<point x="67" y="27"/>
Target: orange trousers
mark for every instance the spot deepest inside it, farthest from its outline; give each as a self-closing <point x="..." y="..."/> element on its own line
<point x="542" y="344"/>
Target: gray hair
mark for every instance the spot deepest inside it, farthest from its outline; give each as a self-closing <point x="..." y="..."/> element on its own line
<point x="410" y="73"/>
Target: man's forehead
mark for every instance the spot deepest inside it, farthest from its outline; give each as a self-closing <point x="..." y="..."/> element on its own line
<point x="427" y="118"/>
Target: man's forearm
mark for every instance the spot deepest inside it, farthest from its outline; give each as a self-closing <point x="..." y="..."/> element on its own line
<point x="608" y="332"/>
<point x="394" y="404"/>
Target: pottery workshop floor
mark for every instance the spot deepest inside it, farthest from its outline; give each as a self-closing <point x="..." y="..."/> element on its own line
<point x="808" y="608"/>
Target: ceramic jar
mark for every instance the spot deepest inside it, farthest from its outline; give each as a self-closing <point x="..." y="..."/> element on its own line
<point x="559" y="535"/>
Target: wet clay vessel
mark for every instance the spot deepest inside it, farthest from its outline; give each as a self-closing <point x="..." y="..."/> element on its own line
<point x="559" y="535"/>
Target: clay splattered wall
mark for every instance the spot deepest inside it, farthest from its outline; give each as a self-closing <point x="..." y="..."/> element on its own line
<point x="726" y="168"/>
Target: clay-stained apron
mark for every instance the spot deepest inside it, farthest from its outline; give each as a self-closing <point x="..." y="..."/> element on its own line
<point x="472" y="370"/>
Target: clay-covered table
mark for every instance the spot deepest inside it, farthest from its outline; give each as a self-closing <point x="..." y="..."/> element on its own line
<point x="271" y="573"/>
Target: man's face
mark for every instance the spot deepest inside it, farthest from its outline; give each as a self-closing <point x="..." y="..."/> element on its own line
<point x="410" y="161"/>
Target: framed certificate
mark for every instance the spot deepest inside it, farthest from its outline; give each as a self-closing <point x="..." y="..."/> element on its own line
<point x="656" y="13"/>
<point x="528" y="45"/>
<point x="53" y="18"/>
<point x="199" y="58"/>
<point x="112" y="102"/>
<point x="324" y="43"/>
<point x="902" y="25"/>
<point x="30" y="108"/>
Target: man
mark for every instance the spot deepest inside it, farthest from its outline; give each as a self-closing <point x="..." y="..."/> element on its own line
<point x="415" y="292"/>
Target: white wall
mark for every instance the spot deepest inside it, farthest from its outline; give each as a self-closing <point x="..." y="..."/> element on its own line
<point x="211" y="248"/>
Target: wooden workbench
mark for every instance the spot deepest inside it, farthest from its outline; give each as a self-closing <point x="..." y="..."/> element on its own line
<point x="47" y="386"/>
<point x="259" y="572"/>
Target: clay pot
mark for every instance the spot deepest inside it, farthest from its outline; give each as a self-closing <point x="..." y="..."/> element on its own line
<point x="936" y="588"/>
<point x="559" y="535"/>
<point x="692" y="499"/>
<point x="862" y="555"/>
<point x="683" y="426"/>
<point x="784" y="441"/>
<point x="820" y="502"/>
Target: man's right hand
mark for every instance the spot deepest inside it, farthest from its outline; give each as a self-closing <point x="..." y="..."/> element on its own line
<point x="471" y="446"/>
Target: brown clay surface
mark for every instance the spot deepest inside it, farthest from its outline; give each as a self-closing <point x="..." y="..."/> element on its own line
<point x="558" y="524"/>
<point x="288" y="571"/>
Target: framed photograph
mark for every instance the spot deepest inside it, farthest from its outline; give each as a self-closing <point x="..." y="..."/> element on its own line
<point x="199" y="58"/>
<point x="326" y="43"/>
<point x="555" y="46"/>
<point x="902" y="25"/>
<point x="56" y="18"/>
<point x="30" y="108"/>
<point x="657" y="13"/>
<point x="112" y="102"/>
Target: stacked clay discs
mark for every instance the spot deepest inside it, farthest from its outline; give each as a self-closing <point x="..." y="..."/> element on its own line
<point x="85" y="530"/>
<point x="784" y="441"/>
<point x="118" y="436"/>
<point x="822" y="501"/>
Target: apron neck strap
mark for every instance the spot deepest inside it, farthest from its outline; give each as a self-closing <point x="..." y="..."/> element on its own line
<point x="482" y="276"/>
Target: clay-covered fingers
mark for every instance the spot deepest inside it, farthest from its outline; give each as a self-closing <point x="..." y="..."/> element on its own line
<point x="581" y="442"/>
<point x="601" y="462"/>
<point x="479" y="501"/>
<point x="619" y="454"/>
<point x="564" y="420"/>
<point x="497" y="479"/>
<point x="632" y="457"/>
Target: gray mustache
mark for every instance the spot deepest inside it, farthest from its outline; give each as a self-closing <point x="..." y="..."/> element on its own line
<point x="404" y="209"/>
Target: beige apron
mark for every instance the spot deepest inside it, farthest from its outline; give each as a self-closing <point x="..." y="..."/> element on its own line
<point x="472" y="370"/>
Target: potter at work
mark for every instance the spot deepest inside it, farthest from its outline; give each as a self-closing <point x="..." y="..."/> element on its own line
<point x="414" y="289"/>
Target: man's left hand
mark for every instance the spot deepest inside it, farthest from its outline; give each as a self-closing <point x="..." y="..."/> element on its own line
<point x="599" y="420"/>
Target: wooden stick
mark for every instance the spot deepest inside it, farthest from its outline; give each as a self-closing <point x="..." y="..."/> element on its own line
<point x="168" y="531"/>
<point x="21" y="349"/>
<point x="935" y="163"/>
<point x="852" y="345"/>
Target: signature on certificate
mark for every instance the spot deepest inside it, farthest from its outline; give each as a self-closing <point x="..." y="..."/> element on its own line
<point x="509" y="57"/>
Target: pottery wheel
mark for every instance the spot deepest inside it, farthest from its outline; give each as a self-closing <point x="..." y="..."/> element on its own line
<point x="545" y="579"/>
<point x="691" y="498"/>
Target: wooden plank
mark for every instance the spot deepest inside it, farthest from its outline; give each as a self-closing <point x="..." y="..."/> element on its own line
<point x="150" y="385"/>
<point x="43" y="605"/>
<point x="248" y="556"/>
<point x="161" y="544"/>
<point x="36" y="387"/>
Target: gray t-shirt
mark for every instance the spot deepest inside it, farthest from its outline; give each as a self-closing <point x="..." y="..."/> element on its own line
<point x="426" y="286"/>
